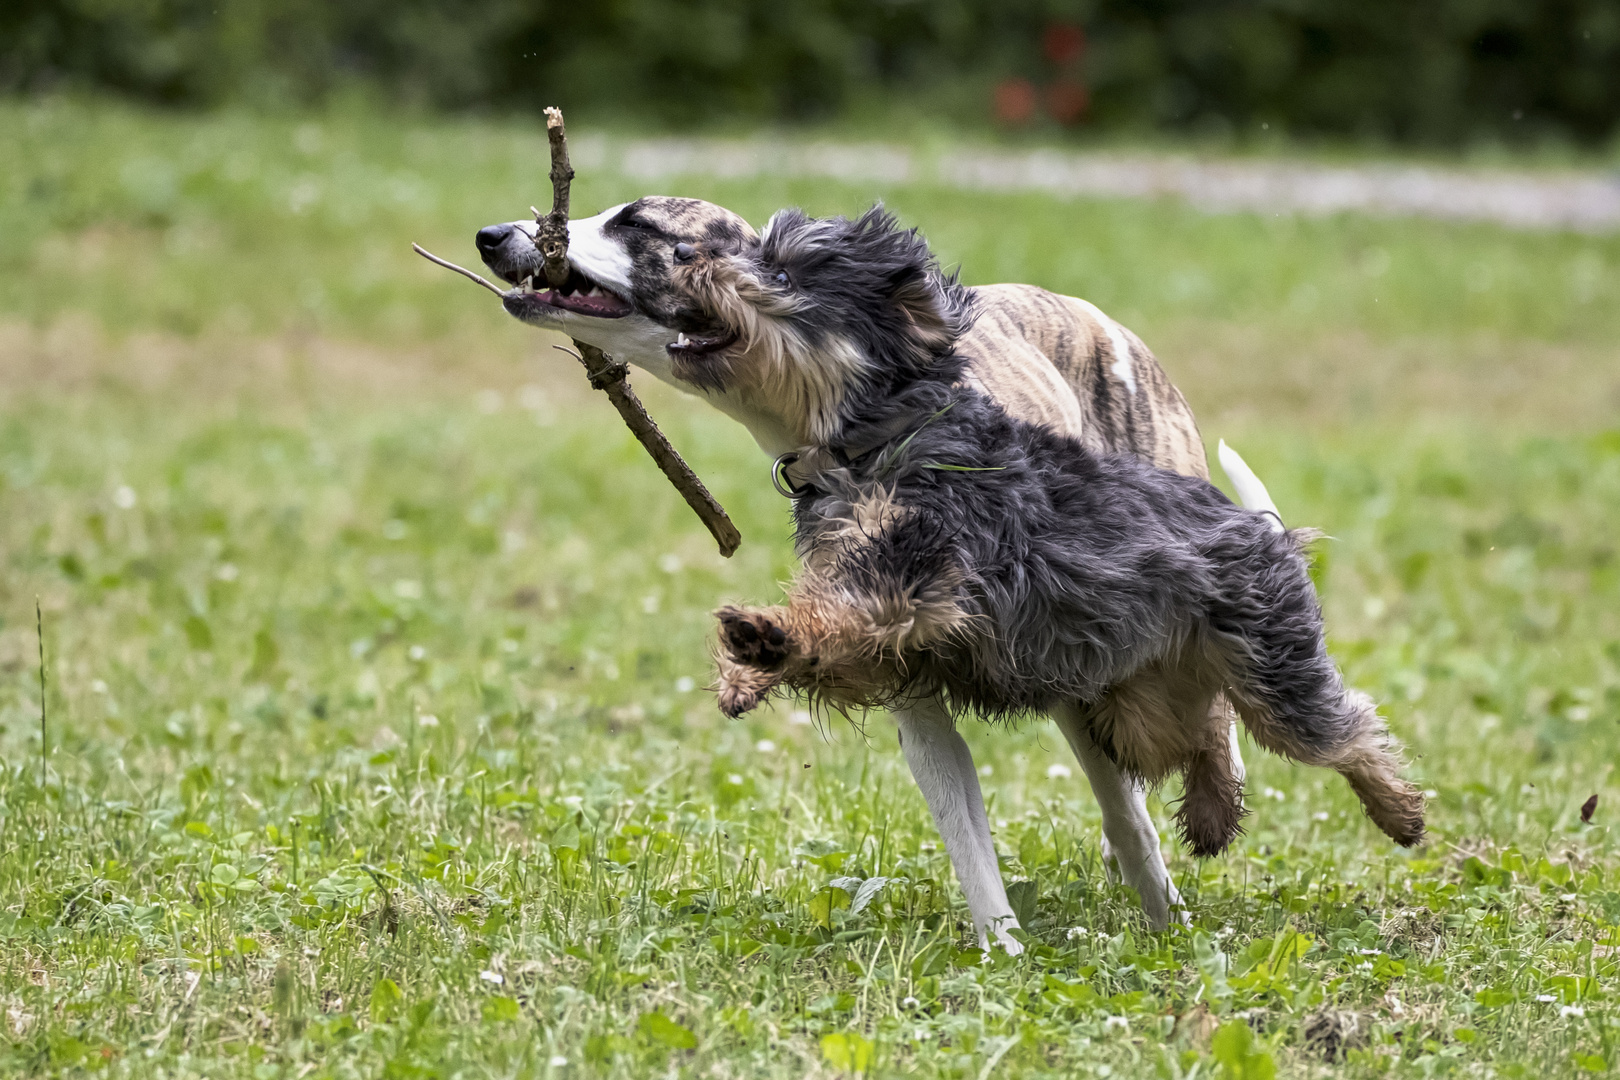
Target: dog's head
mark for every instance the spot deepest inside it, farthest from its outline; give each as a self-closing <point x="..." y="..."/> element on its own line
<point x="792" y="327"/>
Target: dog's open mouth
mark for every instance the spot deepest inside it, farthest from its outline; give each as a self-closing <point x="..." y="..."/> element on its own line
<point x="691" y="346"/>
<point x="583" y="295"/>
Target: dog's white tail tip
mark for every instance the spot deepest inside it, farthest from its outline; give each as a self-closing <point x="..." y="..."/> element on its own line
<point x="1251" y="492"/>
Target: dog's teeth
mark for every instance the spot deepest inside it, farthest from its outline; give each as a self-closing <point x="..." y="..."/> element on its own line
<point x="680" y="340"/>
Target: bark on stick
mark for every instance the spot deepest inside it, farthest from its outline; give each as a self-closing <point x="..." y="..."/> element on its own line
<point x="608" y="375"/>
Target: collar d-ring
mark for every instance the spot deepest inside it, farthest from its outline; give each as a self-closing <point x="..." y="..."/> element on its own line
<point x="784" y="486"/>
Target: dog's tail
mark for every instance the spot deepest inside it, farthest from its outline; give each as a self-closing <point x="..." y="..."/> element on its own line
<point x="1252" y="494"/>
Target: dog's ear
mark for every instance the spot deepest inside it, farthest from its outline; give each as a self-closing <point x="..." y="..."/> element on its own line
<point x="928" y="314"/>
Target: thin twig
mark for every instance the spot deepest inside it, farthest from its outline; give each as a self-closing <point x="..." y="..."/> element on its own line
<point x="462" y="270"/>
<point x="44" y="744"/>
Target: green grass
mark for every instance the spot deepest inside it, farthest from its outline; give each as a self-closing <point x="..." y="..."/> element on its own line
<point x="377" y="737"/>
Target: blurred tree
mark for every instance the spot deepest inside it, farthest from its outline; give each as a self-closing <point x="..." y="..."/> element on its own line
<point x="1417" y="71"/>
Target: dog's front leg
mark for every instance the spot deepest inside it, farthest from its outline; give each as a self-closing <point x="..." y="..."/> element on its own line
<point x="1129" y="837"/>
<point x="942" y="765"/>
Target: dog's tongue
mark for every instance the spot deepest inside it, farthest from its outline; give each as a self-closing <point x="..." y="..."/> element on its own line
<point x="598" y="303"/>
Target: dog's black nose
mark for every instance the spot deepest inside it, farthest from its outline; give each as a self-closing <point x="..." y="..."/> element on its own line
<point x="491" y="237"/>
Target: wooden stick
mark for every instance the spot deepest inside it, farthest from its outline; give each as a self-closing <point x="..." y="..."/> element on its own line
<point x="605" y="373"/>
<point x="608" y="376"/>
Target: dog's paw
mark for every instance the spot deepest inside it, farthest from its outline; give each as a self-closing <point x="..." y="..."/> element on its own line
<point x="736" y="700"/>
<point x="753" y="638"/>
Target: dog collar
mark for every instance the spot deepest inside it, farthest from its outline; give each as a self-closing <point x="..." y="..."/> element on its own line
<point x="794" y="473"/>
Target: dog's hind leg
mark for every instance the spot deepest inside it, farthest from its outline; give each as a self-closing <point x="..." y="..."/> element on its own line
<point x="942" y="765"/>
<point x="1130" y="842"/>
<point x="1211" y="809"/>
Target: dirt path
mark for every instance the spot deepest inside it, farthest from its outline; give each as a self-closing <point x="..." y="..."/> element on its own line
<point x="1527" y="199"/>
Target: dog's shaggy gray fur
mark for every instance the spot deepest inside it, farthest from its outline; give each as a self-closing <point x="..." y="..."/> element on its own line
<point x="951" y="549"/>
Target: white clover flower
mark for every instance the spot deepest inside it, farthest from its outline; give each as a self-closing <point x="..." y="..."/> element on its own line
<point x="1545" y="999"/>
<point x="494" y="977"/>
<point x="1076" y="932"/>
<point x="685" y="684"/>
<point x="557" y="1061"/>
<point x="1058" y="771"/>
<point x="1567" y="1011"/>
<point x="764" y="746"/>
<point x="1116" y="1023"/>
<point x="124" y="497"/>
<point x="427" y="719"/>
<point x="909" y="1002"/>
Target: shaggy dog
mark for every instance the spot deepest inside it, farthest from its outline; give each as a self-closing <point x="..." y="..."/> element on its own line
<point x="952" y="550"/>
<point x="826" y="339"/>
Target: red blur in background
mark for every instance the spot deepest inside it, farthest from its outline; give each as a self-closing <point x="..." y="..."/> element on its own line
<point x="1015" y="101"/>
<point x="1067" y="100"/>
<point x="1063" y="43"/>
<point x="1066" y="97"/>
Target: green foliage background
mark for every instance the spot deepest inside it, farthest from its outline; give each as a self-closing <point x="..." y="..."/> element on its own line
<point x="1432" y="72"/>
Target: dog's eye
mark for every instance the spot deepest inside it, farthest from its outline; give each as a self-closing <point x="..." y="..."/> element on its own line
<point x="782" y="278"/>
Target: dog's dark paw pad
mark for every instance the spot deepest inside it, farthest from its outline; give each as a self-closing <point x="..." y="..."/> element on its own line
<point x="753" y="639"/>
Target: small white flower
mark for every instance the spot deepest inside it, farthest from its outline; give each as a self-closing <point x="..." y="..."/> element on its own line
<point x="734" y="779"/>
<point x="669" y="563"/>
<point x="1075" y="932"/>
<point x="557" y="1061"/>
<point x="986" y="770"/>
<point x="1366" y="966"/>
<point x="1372" y="952"/>
<point x="573" y="802"/>
<point x="765" y="746"/>
<point x="97" y="686"/>
<point x="1223" y="933"/>
<point x="685" y="684"/>
<point x="1058" y="771"/>
<point x="1545" y="999"/>
<point x="417" y="653"/>
<point x="1430" y="793"/>
<point x="1567" y="1011"/>
<point x="1273" y="793"/>
<point x="1116" y="1023"/>
<point x="1320" y="815"/>
<point x="649" y="604"/>
<point x="909" y="1002"/>
<point x="124" y="497"/>
<point x="492" y="977"/>
<point x="427" y="719"/>
<point x="1568" y="898"/>
<point x="800" y="718"/>
<point x="227" y="572"/>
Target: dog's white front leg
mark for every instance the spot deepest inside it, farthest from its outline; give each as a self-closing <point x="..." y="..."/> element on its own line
<point x="1130" y="841"/>
<point x="942" y="765"/>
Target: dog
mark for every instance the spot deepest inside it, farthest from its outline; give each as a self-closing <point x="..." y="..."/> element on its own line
<point x="952" y="551"/>
<point x="1049" y="362"/>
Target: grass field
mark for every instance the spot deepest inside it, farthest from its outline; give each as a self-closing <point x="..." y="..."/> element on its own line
<point x="377" y="738"/>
